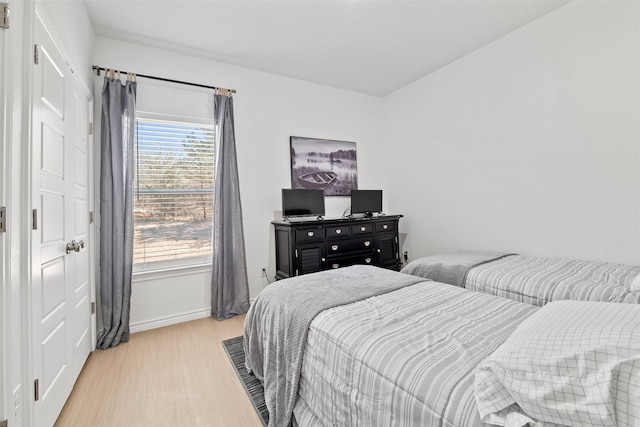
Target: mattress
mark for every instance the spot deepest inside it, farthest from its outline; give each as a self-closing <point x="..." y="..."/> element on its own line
<point x="405" y="358"/>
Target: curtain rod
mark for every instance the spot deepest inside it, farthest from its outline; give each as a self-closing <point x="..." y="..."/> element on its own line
<point x="98" y="69"/>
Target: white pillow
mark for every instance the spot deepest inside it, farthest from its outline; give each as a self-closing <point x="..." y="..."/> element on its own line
<point x="570" y="363"/>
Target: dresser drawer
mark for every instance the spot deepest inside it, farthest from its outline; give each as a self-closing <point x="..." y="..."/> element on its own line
<point x="359" y="244"/>
<point x="311" y="234"/>
<point x="352" y="260"/>
<point x="338" y="231"/>
<point x="362" y="228"/>
<point x="383" y="226"/>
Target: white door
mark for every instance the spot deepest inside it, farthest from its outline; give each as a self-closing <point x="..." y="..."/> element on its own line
<point x="81" y="339"/>
<point x="60" y="294"/>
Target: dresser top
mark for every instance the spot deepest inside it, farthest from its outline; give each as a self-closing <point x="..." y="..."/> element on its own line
<point x="333" y="221"/>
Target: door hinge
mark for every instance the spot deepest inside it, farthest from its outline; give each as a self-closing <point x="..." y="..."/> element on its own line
<point x="296" y="253"/>
<point x="3" y="221"/>
<point x="93" y="307"/>
<point x="4" y="423"/>
<point x="36" y="390"/>
<point x="36" y="50"/>
<point x="90" y="128"/>
<point x="91" y="217"/>
<point x="34" y="218"/>
<point x="4" y="22"/>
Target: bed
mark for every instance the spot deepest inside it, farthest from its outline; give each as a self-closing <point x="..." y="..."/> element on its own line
<point x="532" y="280"/>
<point x="364" y="346"/>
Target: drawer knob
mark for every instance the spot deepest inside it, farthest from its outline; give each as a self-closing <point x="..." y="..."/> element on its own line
<point x="378" y="250"/>
<point x="367" y="243"/>
<point x="363" y="228"/>
<point x="324" y="259"/>
<point x="338" y="231"/>
<point x="367" y="260"/>
<point x="335" y="265"/>
<point x="334" y="247"/>
<point x="310" y="233"/>
<point x="385" y="226"/>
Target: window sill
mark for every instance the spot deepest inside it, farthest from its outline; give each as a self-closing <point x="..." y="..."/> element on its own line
<point x="162" y="273"/>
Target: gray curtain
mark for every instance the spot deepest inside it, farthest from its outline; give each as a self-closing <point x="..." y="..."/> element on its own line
<point x="229" y="287"/>
<point x="116" y="209"/>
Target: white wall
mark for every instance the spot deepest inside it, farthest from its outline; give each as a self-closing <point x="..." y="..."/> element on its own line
<point x="71" y="27"/>
<point x="529" y="144"/>
<point x="268" y="110"/>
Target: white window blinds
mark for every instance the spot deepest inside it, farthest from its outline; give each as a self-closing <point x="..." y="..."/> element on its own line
<point x="173" y="193"/>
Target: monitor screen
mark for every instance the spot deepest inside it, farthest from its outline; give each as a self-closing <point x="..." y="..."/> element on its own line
<point x="366" y="201"/>
<point x="302" y="202"/>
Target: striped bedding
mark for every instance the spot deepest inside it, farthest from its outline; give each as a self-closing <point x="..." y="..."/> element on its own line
<point x="405" y="358"/>
<point x="569" y="363"/>
<point x="277" y="325"/>
<point x="537" y="281"/>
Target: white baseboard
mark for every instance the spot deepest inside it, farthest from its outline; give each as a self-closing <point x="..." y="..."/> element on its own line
<point x="172" y="320"/>
<point x="169" y="320"/>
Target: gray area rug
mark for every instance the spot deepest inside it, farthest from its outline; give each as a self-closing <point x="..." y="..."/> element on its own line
<point x="252" y="386"/>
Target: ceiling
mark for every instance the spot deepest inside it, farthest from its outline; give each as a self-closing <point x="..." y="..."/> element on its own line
<point x="372" y="47"/>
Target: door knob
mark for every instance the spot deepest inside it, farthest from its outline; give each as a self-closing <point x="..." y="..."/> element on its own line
<point x="74" y="246"/>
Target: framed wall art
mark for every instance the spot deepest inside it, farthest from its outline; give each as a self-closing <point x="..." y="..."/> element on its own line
<point x="324" y="164"/>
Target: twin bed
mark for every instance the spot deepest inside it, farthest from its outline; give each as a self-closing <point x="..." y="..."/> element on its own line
<point x="532" y="280"/>
<point x="364" y="346"/>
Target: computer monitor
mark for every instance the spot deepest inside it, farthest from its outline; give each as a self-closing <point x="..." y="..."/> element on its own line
<point x="302" y="202"/>
<point x="367" y="202"/>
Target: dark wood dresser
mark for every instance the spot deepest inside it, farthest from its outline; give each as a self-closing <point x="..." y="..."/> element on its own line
<point x="308" y="246"/>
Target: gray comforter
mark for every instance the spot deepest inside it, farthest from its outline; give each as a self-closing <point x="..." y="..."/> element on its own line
<point x="277" y="325"/>
<point x="451" y="268"/>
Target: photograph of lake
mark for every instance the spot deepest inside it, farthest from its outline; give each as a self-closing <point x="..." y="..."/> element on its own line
<point x="324" y="164"/>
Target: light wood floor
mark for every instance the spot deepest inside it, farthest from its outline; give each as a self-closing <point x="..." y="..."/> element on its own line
<point x="178" y="375"/>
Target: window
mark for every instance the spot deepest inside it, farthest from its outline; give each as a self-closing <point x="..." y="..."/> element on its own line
<point x="173" y="193"/>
